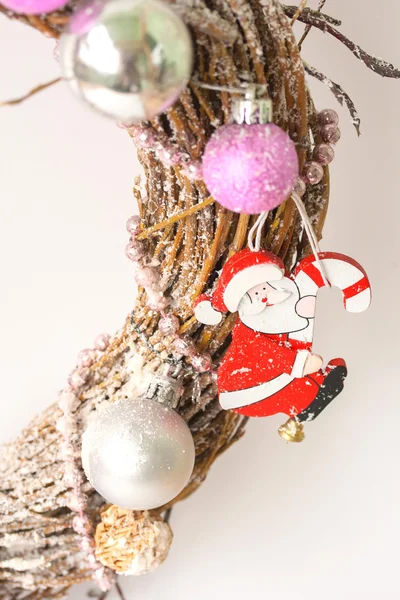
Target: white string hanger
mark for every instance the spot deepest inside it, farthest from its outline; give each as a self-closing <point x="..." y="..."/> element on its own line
<point x="254" y="236"/>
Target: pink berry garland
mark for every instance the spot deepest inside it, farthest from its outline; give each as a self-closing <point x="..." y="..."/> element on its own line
<point x="323" y="154"/>
<point x="147" y="277"/>
<point x="166" y="152"/>
<point x="77" y="501"/>
<point x="170" y="155"/>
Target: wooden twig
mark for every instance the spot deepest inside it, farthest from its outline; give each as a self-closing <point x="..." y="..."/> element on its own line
<point x="308" y="28"/>
<point x="291" y="10"/>
<point x="379" y="66"/>
<point x="33" y="92"/>
<point x="175" y="218"/>
<point x="298" y="12"/>
<point x="207" y="21"/>
<point x="120" y="591"/>
<point x="339" y="93"/>
<point x="167" y="515"/>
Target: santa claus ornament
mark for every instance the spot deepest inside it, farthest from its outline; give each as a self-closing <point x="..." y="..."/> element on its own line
<point x="269" y="367"/>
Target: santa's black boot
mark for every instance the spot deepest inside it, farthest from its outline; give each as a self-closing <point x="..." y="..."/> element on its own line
<point x="330" y="388"/>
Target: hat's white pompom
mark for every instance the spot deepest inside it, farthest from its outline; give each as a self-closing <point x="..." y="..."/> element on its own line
<point x="204" y="311"/>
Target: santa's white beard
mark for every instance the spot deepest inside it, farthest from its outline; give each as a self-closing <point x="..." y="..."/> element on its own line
<point x="275" y="319"/>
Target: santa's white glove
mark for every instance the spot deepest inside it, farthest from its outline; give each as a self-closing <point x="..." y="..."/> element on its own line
<point x="306" y="363"/>
<point x="313" y="364"/>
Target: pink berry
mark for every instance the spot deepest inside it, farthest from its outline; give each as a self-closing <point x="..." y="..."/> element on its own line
<point x="76" y="502"/>
<point x="86" y="544"/>
<point x="102" y="342"/>
<point x="168" y="325"/>
<point x="66" y="450"/>
<point x="134" y="250"/>
<point x="78" y="378"/>
<point x="65" y="425"/>
<point x="184" y="346"/>
<point x="313" y="172"/>
<point x="328" y="117"/>
<point x="330" y="134"/>
<point x="68" y="402"/>
<point x="202" y="362"/>
<point x="133" y="225"/>
<point x="324" y="154"/>
<point x="92" y="560"/>
<point x="81" y="524"/>
<point x="300" y="187"/>
<point x="156" y="300"/>
<point x="171" y="157"/>
<point x="86" y="357"/>
<point x="146" y="276"/>
<point x="147" y="139"/>
<point x="194" y="170"/>
<point x="72" y="477"/>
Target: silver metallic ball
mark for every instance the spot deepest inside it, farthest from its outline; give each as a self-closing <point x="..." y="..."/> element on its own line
<point x="129" y="59"/>
<point x="138" y="453"/>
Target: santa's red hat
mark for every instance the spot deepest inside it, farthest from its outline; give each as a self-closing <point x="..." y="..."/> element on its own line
<point x="242" y="272"/>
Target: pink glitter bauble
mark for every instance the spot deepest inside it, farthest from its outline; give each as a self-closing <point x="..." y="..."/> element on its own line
<point x="250" y="168"/>
<point x="33" y="7"/>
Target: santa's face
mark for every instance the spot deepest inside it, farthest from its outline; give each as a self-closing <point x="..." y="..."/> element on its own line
<point x="274" y="308"/>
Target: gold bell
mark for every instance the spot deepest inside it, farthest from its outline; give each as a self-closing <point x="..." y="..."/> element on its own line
<point x="292" y="431"/>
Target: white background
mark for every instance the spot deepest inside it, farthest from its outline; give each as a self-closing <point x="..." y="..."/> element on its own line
<point x="315" y="521"/>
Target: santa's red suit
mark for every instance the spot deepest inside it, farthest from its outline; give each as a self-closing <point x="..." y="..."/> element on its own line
<point x="256" y="377"/>
<point x="262" y="372"/>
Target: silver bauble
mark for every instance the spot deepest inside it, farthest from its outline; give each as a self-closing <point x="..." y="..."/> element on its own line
<point x="138" y="453"/>
<point x="129" y="59"/>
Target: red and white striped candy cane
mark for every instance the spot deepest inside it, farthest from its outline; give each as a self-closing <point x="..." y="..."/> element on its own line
<point x="341" y="271"/>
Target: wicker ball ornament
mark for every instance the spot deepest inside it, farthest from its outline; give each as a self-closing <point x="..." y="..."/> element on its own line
<point x="132" y="542"/>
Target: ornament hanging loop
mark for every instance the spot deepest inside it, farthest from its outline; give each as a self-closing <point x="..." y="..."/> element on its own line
<point x="252" y="104"/>
<point x="255" y="107"/>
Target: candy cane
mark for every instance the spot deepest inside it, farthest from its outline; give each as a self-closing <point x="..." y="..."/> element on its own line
<point x="341" y="271"/>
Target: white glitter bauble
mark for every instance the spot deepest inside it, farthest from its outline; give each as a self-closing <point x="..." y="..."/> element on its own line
<point x="138" y="453"/>
<point x="129" y="59"/>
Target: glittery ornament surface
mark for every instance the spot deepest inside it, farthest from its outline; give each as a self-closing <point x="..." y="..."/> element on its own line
<point x="250" y="168"/>
<point x="138" y="453"/>
<point x="128" y="59"/>
<point x="34" y="7"/>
